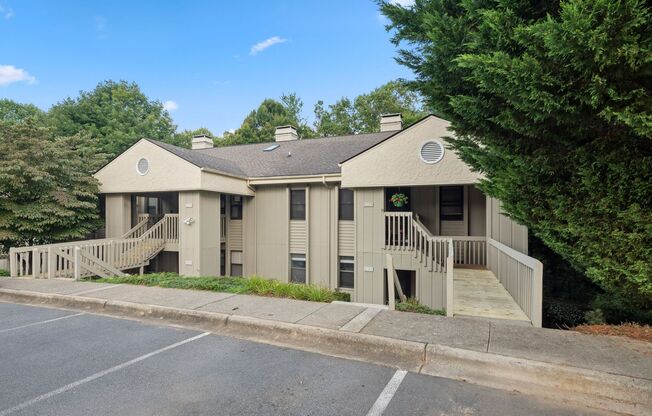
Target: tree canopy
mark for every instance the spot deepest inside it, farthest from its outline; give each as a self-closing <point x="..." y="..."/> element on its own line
<point x="47" y="192"/>
<point x="12" y="112"/>
<point x="362" y="114"/>
<point x="114" y="116"/>
<point x="260" y="125"/>
<point x="551" y="101"/>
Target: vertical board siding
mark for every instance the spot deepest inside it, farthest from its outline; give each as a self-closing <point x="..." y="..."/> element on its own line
<point x="271" y="229"/>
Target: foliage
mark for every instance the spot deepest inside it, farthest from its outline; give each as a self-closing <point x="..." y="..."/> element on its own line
<point x="562" y="314"/>
<point x="46" y="191"/>
<point x="619" y="309"/>
<point x="259" y="126"/>
<point x="184" y="138"/>
<point x="114" y="115"/>
<point x="12" y="112"/>
<point x="253" y="285"/>
<point x="399" y="199"/>
<point x="551" y="102"/>
<point x="362" y="115"/>
<point x="413" y="305"/>
<point x="4" y="273"/>
<point x="594" y="317"/>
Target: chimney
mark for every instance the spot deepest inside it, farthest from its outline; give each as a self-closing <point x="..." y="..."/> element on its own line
<point x="286" y="133"/>
<point x="391" y="122"/>
<point x="201" y="141"/>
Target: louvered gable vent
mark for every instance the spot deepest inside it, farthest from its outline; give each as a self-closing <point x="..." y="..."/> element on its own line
<point x="432" y="152"/>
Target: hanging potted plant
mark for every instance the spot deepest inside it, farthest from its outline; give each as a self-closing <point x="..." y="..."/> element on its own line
<point x="399" y="200"/>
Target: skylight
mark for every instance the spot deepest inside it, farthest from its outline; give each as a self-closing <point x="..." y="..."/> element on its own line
<point x="270" y="148"/>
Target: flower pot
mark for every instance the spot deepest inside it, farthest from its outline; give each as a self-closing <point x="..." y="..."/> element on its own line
<point x="398" y="204"/>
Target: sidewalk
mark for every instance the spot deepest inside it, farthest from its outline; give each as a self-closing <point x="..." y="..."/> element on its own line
<point x="462" y="348"/>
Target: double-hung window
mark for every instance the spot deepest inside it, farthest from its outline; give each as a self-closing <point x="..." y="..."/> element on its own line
<point x="297" y="204"/>
<point x="347" y="266"/>
<point x="298" y="268"/>
<point x="236" y="207"/>
<point x="346" y="204"/>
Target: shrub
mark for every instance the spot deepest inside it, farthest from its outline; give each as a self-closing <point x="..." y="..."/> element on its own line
<point x="413" y="305"/>
<point x="253" y="285"/>
<point x="559" y="314"/>
<point x="619" y="309"/>
<point x="4" y="273"/>
<point x="594" y="317"/>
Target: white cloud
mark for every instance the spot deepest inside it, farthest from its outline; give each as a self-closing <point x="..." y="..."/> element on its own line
<point x="170" y="105"/>
<point x="6" y="11"/>
<point x="10" y="74"/>
<point x="261" y="46"/>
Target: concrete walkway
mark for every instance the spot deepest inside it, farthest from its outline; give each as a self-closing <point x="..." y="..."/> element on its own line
<point x="601" y="353"/>
<point x="477" y="292"/>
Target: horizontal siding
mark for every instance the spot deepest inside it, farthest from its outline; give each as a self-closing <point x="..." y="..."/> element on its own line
<point x="234" y="234"/>
<point x="346" y="238"/>
<point x="452" y="228"/>
<point x="297" y="236"/>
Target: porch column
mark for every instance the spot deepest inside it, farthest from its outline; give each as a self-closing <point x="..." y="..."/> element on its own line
<point x="199" y="233"/>
<point x="118" y="214"/>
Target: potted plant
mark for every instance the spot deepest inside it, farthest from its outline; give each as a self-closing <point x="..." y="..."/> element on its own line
<point x="399" y="200"/>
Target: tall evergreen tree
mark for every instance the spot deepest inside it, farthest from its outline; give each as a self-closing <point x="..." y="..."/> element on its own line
<point x="551" y="101"/>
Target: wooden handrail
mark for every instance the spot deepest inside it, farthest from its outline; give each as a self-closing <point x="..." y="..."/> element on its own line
<point x="521" y="275"/>
<point x="89" y="257"/>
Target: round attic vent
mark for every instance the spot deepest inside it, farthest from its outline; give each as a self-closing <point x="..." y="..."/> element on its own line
<point x="432" y="151"/>
<point x="142" y="166"/>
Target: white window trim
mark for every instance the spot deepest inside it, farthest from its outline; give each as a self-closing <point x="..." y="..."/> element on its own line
<point x="148" y="166"/>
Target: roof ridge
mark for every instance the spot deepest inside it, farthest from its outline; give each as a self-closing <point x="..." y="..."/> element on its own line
<point x="301" y="140"/>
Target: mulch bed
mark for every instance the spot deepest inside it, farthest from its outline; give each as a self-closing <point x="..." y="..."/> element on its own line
<point x="635" y="331"/>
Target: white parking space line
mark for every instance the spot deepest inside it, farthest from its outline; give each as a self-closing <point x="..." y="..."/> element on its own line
<point x="40" y="322"/>
<point x="386" y="395"/>
<point x="98" y="375"/>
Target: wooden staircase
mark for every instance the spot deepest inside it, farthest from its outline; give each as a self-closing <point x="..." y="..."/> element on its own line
<point x="404" y="233"/>
<point x="104" y="258"/>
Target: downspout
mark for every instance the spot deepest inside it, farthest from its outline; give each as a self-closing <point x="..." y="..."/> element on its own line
<point x="323" y="181"/>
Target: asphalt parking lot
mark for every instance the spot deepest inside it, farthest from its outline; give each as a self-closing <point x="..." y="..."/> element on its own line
<point x="59" y="362"/>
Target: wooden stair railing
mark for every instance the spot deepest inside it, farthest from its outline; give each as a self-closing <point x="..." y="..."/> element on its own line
<point x="105" y="257"/>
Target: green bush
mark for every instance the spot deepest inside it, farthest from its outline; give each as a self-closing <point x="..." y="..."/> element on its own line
<point x="254" y="285"/>
<point x="594" y="317"/>
<point x="413" y="305"/>
<point x="560" y="314"/>
<point x="618" y="310"/>
<point x="4" y="273"/>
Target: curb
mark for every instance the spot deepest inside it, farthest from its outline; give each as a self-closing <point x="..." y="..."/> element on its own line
<point x="571" y="384"/>
<point x="575" y="385"/>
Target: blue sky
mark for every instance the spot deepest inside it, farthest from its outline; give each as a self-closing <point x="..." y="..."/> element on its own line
<point x="214" y="60"/>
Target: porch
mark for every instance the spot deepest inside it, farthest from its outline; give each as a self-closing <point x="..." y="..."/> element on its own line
<point x="474" y="275"/>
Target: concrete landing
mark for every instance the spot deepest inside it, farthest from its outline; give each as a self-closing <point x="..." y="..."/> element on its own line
<point x="478" y="293"/>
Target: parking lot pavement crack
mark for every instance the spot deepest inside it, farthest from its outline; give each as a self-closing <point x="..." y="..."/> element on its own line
<point x="489" y="337"/>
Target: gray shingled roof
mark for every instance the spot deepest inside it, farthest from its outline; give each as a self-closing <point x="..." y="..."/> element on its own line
<point x="308" y="156"/>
